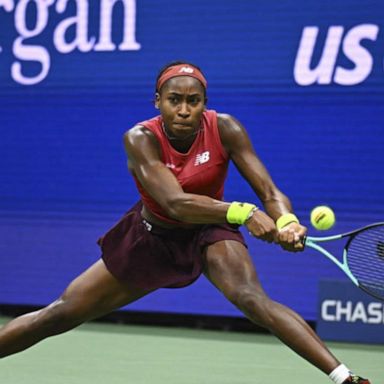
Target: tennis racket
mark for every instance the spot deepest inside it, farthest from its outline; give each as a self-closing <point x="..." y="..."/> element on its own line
<point x="363" y="257"/>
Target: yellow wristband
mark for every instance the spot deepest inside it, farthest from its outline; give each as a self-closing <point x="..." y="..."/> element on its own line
<point x="286" y="219"/>
<point x="239" y="213"/>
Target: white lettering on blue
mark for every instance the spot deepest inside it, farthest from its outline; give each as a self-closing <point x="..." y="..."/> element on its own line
<point x="25" y="52"/>
<point x="348" y="311"/>
<point x="337" y="40"/>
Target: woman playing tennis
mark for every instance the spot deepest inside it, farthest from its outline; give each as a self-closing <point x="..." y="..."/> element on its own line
<point x="181" y="227"/>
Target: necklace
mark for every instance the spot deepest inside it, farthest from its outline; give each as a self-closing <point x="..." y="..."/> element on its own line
<point x="171" y="137"/>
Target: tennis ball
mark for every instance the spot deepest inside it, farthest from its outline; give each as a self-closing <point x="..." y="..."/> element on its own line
<point x="322" y="218"/>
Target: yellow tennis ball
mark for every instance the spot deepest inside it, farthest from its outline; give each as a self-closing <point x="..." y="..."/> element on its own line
<point x="322" y="218"/>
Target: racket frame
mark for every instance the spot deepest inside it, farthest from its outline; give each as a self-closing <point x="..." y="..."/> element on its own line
<point x="312" y="241"/>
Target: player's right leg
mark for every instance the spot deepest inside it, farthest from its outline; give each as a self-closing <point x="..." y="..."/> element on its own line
<point x="228" y="265"/>
<point x="93" y="294"/>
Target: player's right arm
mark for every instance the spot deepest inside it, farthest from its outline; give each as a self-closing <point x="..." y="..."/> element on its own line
<point x="144" y="161"/>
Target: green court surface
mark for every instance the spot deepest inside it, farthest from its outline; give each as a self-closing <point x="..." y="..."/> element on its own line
<point x="99" y="353"/>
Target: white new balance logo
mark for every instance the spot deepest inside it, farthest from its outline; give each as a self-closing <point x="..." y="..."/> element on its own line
<point x="186" y="70"/>
<point x="202" y="158"/>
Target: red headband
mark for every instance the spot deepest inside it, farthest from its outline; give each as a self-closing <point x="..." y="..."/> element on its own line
<point x="181" y="70"/>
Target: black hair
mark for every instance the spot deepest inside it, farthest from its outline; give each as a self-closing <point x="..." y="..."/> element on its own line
<point x="171" y="64"/>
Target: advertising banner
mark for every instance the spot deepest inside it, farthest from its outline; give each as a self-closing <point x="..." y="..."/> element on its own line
<point x="346" y="313"/>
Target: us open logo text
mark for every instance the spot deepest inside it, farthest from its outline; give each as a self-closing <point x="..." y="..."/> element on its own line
<point x="353" y="44"/>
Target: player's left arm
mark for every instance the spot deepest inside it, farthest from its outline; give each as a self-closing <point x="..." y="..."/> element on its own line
<point x="239" y="147"/>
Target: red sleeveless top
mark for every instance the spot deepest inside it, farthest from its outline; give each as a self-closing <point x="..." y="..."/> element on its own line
<point x="202" y="170"/>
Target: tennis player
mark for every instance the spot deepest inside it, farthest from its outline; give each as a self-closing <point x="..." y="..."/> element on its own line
<point x="181" y="227"/>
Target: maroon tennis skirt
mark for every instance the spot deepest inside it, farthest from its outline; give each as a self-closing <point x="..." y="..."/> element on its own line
<point x="147" y="256"/>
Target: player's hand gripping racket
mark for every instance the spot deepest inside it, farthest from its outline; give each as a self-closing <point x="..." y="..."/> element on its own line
<point x="363" y="257"/>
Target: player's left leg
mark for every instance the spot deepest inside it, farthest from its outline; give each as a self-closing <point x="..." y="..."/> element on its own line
<point x="229" y="267"/>
<point x="94" y="293"/>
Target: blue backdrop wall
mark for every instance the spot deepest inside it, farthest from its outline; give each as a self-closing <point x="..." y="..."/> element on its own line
<point x="305" y="78"/>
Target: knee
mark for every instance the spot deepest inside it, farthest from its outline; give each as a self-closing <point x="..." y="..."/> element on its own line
<point x="247" y="298"/>
<point x="58" y="317"/>
<point x="255" y="304"/>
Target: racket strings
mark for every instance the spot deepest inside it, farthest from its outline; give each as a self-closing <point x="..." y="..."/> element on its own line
<point x="365" y="258"/>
